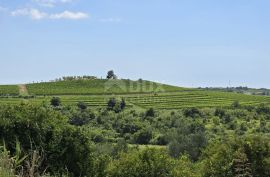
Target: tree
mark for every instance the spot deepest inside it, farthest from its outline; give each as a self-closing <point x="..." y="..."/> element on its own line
<point x="111" y="104"/>
<point x="192" y="112"/>
<point x="150" y="113"/>
<point x="241" y="166"/>
<point x="82" y="105"/>
<point x="111" y="75"/>
<point x="55" y="101"/>
<point x="143" y="136"/>
<point x="81" y="118"/>
<point x="116" y="105"/>
<point x="144" y="163"/>
<point x="123" y="104"/>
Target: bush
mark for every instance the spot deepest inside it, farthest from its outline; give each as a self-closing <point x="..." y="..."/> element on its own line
<point x="143" y="136"/>
<point x="63" y="146"/>
<point x="116" y="105"/>
<point x="55" y="101"/>
<point x="82" y="105"/>
<point x="150" y="113"/>
<point x="145" y="163"/>
<point x="189" y="138"/>
<point x="224" y="158"/>
<point x="220" y="112"/>
<point x="81" y="118"/>
<point x="263" y="109"/>
<point x="192" y="112"/>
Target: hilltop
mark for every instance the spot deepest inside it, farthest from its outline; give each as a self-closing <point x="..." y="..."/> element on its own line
<point x="99" y="87"/>
<point x="145" y="94"/>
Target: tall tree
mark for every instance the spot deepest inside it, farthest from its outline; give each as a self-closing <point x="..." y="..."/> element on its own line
<point x="111" y="75"/>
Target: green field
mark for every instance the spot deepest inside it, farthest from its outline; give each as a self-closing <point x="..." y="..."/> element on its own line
<point x="143" y="94"/>
<point x="9" y="90"/>
<point x="98" y="87"/>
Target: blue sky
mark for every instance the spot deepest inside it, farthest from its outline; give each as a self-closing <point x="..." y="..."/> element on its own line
<point x="183" y="42"/>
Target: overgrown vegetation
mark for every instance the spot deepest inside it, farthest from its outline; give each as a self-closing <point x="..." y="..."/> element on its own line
<point x="49" y="140"/>
<point x="89" y="127"/>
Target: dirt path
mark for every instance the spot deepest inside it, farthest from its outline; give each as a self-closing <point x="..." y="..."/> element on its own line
<point x="23" y="90"/>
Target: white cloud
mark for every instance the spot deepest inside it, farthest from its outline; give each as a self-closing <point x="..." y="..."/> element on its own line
<point x="38" y="15"/>
<point x="69" y="15"/>
<point x="51" y="3"/>
<point x="111" y="20"/>
<point x="32" y="13"/>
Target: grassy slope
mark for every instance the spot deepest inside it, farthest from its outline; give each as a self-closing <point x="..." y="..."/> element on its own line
<point x="97" y="87"/>
<point x="9" y="90"/>
<point x="143" y="94"/>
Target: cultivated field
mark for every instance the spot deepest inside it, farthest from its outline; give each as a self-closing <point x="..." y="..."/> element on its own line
<point x="144" y="94"/>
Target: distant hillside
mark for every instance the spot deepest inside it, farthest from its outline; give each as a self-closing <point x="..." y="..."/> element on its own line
<point x="143" y="94"/>
<point x="243" y="90"/>
<point x="98" y="86"/>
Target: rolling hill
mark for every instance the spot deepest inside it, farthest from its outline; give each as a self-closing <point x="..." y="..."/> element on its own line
<point x="143" y="94"/>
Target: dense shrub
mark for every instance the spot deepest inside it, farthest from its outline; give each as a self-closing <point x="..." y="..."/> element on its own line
<point x="116" y="105"/>
<point x="252" y="153"/>
<point x="145" y="163"/>
<point x="63" y="146"/>
<point x="150" y="113"/>
<point x="192" y="112"/>
<point x="55" y="101"/>
<point x="81" y="118"/>
<point x="143" y="136"/>
<point x="99" y="142"/>
<point x="82" y="105"/>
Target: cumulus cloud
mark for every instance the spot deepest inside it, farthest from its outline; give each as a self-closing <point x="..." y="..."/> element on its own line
<point x="35" y="14"/>
<point x="51" y="3"/>
<point x="32" y="13"/>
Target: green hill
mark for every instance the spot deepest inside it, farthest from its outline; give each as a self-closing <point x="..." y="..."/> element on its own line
<point x="143" y="94"/>
<point x="98" y="87"/>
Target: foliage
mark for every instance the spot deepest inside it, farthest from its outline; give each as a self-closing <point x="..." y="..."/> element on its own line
<point x="190" y="142"/>
<point x="116" y="105"/>
<point x="64" y="146"/>
<point x="143" y="136"/>
<point x="55" y="101"/>
<point x="9" y="90"/>
<point x="150" y="113"/>
<point x="145" y="163"/>
<point x="246" y="156"/>
<point x="111" y="75"/>
<point x="189" y="138"/>
<point x="82" y="105"/>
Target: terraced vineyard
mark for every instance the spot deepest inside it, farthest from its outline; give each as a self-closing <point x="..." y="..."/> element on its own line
<point x="9" y="90"/>
<point x="97" y="87"/>
<point x="96" y="93"/>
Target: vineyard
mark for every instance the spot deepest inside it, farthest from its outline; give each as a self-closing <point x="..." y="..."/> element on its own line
<point x="97" y="87"/>
<point x="143" y="94"/>
<point x="6" y="90"/>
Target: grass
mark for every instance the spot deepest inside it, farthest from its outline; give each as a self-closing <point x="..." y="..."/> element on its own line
<point x="139" y="94"/>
